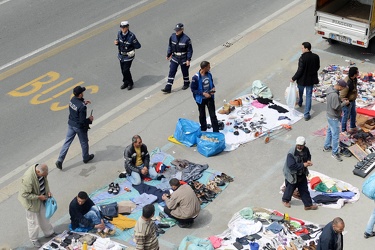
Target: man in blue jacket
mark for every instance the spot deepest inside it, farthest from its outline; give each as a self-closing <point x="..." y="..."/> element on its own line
<point x="331" y="237"/>
<point x="203" y="88"/>
<point x="127" y="43"/>
<point x="179" y="52"/>
<point x="78" y="124"/>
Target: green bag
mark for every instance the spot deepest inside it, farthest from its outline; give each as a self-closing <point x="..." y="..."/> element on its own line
<point x="321" y="187"/>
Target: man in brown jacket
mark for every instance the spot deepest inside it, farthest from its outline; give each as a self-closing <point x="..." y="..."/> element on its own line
<point x="349" y="93"/>
<point x="182" y="205"/>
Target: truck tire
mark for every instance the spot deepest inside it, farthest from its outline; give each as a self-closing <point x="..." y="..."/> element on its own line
<point x="371" y="46"/>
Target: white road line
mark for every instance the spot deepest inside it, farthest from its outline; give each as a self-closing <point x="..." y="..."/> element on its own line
<point x="68" y="36"/>
<point x="145" y="92"/>
<point x="5" y="1"/>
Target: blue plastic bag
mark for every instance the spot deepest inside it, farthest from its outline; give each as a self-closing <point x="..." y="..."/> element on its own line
<point x="194" y="243"/>
<point x="209" y="148"/>
<point x="187" y="132"/>
<point x="368" y="187"/>
<point x="51" y="207"/>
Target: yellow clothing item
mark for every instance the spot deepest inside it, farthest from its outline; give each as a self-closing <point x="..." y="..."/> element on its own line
<point x="122" y="222"/>
<point x="138" y="159"/>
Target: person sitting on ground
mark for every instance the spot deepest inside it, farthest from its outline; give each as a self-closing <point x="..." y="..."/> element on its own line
<point x="137" y="162"/>
<point x="182" y="205"/>
<point x="331" y="237"/>
<point x="85" y="214"/>
<point x="145" y="230"/>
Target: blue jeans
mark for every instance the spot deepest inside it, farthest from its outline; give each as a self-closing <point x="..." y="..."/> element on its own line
<point x="83" y="139"/>
<point x="333" y="133"/>
<point x="371" y="223"/>
<point x="135" y="178"/>
<point x="348" y="111"/>
<point x="93" y="215"/>
<point x="309" y="90"/>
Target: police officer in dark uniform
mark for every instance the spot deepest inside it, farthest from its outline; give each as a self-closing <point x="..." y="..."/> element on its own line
<point x="78" y="124"/>
<point x="127" y="44"/>
<point x="179" y="52"/>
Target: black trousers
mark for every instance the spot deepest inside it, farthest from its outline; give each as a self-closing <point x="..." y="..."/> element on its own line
<point x="210" y="103"/>
<point x="126" y="75"/>
<point x="302" y="189"/>
<point x="181" y="221"/>
<point x="173" y="70"/>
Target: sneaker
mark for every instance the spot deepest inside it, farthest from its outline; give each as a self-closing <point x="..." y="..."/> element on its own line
<point x="307" y="118"/>
<point x="36" y="243"/>
<point x="286" y="204"/>
<point x="185" y="225"/>
<point x="89" y="159"/>
<point x="167" y="89"/>
<point x="368" y="235"/>
<point x="185" y="87"/>
<point x="312" y="207"/>
<point x="329" y="149"/>
<point x="130" y="87"/>
<point x="124" y="86"/>
<point x="58" y="164"/>
<point x="337" y="157"/>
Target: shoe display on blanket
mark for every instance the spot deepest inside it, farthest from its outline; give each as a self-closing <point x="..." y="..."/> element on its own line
<point x="111" y="188"/>
<point x="368" y="235"/>
<point x="116" y="189"/>
<point x="312" y="207"/>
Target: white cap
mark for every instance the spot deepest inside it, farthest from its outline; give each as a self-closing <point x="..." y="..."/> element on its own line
<point x="124" y="24"/>
<point x="300" y="140"/>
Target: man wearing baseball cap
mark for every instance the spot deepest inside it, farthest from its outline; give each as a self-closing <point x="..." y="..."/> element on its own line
<point x="295" y="171"/>
<point x="334" y="108"/>
<point x="179" y="52"/>
<point x="78" y="123"/>
<point x="127" y="43"/>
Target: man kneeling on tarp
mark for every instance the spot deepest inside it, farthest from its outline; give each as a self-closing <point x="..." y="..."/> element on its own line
<point x="182" y="205"/>
<point x="85" y="214"/>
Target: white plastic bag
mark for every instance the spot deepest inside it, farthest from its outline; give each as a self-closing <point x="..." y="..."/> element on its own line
<point x="291" y="94"/>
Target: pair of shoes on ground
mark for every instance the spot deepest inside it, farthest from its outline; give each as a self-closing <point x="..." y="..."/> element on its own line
<point x="89" y="159"/>
<point x="114" y="188"/>
<point x="368" y="235"/>
<point x="106" y="232"/>
<point x="124" y="86"/>
<point x="312" y="207"/>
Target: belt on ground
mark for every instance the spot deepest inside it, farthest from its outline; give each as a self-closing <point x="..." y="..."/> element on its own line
<point x="179" y="53"/>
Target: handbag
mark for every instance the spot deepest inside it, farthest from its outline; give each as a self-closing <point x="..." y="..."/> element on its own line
<point x="51" y="207"/>
<point x="109" y="210"/>
<point x="368" y="187"/>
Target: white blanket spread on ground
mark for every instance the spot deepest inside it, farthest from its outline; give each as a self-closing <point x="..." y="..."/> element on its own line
<point x="249" y="114"/>
<point x="341" y="185"/>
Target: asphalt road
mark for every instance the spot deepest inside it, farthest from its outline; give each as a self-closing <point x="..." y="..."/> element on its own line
<point x="264" y="39"/>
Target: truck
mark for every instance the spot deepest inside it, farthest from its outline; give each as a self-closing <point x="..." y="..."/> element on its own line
<point x="346" y="21"/>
